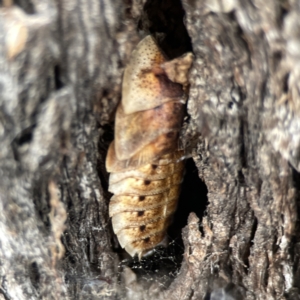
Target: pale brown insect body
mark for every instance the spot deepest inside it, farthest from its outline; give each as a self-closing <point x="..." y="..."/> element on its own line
<point x="144" y="161"/>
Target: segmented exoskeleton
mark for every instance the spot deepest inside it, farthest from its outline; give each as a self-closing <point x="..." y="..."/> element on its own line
<point x="144" y="161"/>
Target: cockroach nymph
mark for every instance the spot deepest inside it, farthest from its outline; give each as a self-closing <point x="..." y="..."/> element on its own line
<point x="144" y="161"/>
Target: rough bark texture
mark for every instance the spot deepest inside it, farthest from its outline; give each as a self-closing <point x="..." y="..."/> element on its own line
<point x="61" y="70"/>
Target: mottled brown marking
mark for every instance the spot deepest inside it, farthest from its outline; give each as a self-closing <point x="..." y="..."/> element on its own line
<point x="140" y="213"/>
<point x="148" y="124"/>
<point x="170" y="135"/>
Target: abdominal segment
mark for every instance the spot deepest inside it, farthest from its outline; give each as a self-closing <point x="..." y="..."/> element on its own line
<point x="142" y="208"/>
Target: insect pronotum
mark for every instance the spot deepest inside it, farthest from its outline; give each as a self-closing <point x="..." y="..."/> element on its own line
<point x="144" y="161"/>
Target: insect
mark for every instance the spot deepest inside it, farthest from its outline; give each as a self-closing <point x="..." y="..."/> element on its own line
<point x="145" y="165"/>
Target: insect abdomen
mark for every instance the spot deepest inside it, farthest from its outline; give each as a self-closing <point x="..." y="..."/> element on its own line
<point x="142" y="208"/>
<point x="144" y="161"/>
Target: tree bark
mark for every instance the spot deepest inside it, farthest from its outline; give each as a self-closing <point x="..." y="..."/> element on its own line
<point x="61" y="71"/>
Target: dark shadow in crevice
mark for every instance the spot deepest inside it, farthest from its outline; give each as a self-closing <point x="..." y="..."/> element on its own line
<point x="164" y="20"/>
<point x="58" y="77"/>
<point x="294" y="247"/>
<point x="26" y="5"/>
<point x="247" y="251"/>
<point x="193" y="198"/>
<point x="103" y="146"/>
<point x="24" y="137"/>
<point x="34" y="275"/>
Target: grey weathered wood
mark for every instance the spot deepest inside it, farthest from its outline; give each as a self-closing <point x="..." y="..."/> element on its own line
<point x="60" y="84"/>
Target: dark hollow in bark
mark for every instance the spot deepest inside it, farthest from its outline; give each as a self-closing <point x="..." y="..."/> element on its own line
<point x="61" y="71"/>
